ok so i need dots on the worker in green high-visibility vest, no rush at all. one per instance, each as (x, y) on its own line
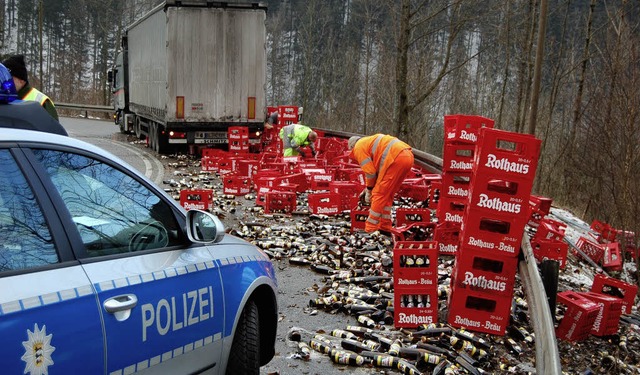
(295, 136)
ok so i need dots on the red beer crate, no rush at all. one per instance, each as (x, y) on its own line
(288, 115)
(325, 203)
(550, 250)
(413, 307)
(579, 316)
(541, 203)
(321, 181)
(247, 167)
(418, 193)
(209, 164)
(359, 217)
(200, 199)
(414, 232)
(451, 210)
(236, 185)
(412, 215)
(237, 133)
(550, 229)
(415, 265)
(500, 196)
(617, 288)
(458, 158)
(464, 128)
(479, 312)
(610, 309)
(448, 238)
(456, 185)
(298, 179)
(239, 145)
(280, 202)
(594, 250)
(507, 154)
(492, 233)
(612, 258)
(484, 272)
(347, 190)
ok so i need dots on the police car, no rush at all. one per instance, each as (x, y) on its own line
(101, 272)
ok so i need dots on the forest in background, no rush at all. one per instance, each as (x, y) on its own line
(398, 66)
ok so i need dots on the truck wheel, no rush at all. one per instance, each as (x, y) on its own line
(245, 349)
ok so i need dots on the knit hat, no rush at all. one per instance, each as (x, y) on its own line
(16, 66)
(352, 142)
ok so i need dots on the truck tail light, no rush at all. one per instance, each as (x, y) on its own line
(177, 135)
(251, 108)
(179, 106)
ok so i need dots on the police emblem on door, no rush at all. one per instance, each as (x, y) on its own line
(38, 350)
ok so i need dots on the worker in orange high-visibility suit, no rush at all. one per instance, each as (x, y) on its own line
(385, 160)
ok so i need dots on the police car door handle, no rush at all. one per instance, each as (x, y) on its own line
(121, 306)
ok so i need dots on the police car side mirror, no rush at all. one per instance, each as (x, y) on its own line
(204, 227)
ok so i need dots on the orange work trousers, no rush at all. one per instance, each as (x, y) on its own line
(384, 191)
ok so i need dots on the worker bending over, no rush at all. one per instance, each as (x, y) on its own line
(294, 137)
(385, 160)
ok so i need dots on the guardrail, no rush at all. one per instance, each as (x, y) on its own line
(547, 355)
(85, 107)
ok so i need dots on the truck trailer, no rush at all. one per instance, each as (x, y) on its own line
(189, 70)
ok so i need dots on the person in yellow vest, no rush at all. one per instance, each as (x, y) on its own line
(18, 71)
(294, 137)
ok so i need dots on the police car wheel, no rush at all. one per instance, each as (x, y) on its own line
(245, 350)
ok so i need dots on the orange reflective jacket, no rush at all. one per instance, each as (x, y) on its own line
(375, 153)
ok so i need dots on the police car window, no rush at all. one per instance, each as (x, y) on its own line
(25, 240)
(113, 212)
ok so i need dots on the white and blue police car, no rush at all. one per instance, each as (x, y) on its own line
(101, 272)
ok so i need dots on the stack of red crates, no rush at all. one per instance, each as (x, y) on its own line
(461, 136)
(493, 223)
(579, 316)
(238, 137)
(415, 283)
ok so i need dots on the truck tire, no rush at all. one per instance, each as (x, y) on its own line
(245, 349)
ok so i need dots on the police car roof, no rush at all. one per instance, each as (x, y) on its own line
(29, 115)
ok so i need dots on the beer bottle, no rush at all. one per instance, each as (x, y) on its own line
(395, 347)
(346, 358)
(304, 350)
(343, 334)
(353, 345)
(407, 368)
(366, 321)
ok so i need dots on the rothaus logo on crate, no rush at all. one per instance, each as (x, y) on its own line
(499, 205)
(453, 217)
(504, 246)
(483, 283)
(463, 136)
(457, 192)
(194, 206)
(522, 166)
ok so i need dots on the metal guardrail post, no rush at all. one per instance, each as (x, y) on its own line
(547, 355)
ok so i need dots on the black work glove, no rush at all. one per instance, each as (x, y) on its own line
(302, 154)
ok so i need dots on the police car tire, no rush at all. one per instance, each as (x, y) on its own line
(245, 350)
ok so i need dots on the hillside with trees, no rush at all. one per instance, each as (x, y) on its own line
(398, 66)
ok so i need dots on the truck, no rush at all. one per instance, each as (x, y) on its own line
(188, 71)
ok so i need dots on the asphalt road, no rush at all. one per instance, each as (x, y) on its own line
(295, 284)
